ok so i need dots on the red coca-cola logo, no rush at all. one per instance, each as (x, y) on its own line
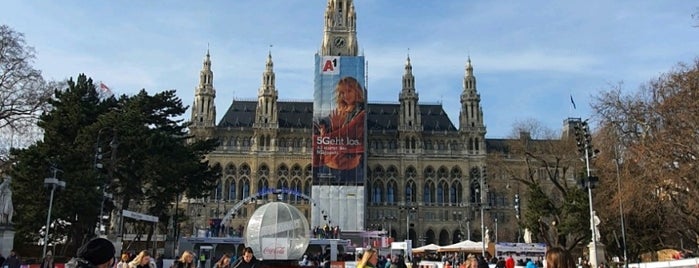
(274, 250)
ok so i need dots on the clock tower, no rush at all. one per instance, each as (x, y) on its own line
(340, 30)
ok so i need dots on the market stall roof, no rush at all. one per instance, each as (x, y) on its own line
(430, 247)
(463, 246)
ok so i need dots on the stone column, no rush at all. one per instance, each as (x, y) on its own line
(7, 238)
(596, 253)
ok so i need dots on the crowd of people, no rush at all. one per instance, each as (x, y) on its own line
(555, 258)
(100, 252)
(327, 232)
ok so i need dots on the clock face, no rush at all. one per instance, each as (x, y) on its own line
(339, 42)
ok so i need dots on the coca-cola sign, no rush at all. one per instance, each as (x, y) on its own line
(275, 248)
(274, 251)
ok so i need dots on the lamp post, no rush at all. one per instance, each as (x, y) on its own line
(54, 183)
(408, 210)
(481, 200)
(458, 217)
(584, 143)
(390, 220)
(113, 144)
(621, 209)
(496, 230)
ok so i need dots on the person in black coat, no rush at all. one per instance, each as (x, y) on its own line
(248, 260)
(12, 261)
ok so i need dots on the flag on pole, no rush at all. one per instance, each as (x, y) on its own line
(104, 88)
(572, 102)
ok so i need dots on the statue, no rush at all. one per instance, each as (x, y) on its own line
(595, 223)
(487, 235)
(527, 236)
(6, 207)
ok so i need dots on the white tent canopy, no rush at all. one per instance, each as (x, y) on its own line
(463, 246)
(430, 247)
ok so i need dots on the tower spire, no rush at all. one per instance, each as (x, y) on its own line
(340, 30)
(204, 109)
(409, 119)
(471, 115)
(266, 113)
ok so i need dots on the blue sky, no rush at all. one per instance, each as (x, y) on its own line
(528, 56)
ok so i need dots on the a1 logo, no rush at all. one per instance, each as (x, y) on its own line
(330, 65)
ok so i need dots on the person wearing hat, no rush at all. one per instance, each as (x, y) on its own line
(48, 260)
(96, 253)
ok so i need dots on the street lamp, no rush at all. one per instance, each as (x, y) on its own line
(98, 165)
(621, 208)
(461, 219)
(584, 143)
(408, 210)
(390, 220)
(481, 192)
(54, 183)
(496, 229)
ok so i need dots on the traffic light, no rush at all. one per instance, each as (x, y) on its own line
(98, 158)
(592, 181)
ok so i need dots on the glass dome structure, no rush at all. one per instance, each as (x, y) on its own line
(277, 231)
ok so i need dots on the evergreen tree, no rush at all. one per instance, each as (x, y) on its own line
(146, 161)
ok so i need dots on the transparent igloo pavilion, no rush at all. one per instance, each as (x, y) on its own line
(277, 231)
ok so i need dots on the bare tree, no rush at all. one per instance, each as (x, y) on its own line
(655, 132)
(23, 91)
(554, 207)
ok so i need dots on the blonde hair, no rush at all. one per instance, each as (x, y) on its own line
(137, 260)
(352, 84)
(366, 257)
(183, 259)
(124, 257)
(220, 261)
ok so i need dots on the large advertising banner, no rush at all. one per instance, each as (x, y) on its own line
(339, 119)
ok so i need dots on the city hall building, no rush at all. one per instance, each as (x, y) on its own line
(404, 168)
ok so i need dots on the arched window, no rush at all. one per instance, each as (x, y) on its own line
(410, 192)
(296, 187)
(377, 192)
(262, 186)
(218, 195)
(455, 195)
(283, 184)
(390, 192)
(428, 195)
(245, 188)
(442, 192)
(231, 190)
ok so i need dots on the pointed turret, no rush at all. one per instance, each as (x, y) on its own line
(409, 122)
(408, 97)
(471, 115)
(266, 114)
(204, 109)
(340, 30)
